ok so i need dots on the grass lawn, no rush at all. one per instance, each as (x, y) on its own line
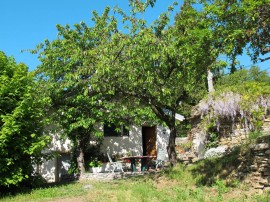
(178, 184)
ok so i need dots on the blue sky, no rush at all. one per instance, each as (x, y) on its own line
(26, 23)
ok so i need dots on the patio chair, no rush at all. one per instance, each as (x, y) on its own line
(160, 161)
(117, 165)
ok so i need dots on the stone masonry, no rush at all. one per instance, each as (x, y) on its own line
(254, 168)
(255, 164)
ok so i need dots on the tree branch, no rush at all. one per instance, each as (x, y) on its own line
(264, 59)
(265, 50)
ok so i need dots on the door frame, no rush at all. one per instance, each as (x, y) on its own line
(144, 136)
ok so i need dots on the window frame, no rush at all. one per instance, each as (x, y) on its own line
(109, 130)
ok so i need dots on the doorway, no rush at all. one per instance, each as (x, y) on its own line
(149, 138)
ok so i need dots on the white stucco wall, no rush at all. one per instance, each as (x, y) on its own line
(59, 144)
(47, 170)
(120, 145)
(162, 138)
(48, 167)
(133, 142)
(124, 144)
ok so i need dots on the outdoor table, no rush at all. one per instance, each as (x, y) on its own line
(144, 159)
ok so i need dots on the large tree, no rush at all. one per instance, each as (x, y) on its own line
(21, 123)
(68, 64)
(92, 70)
(162, 66)
(65, 71)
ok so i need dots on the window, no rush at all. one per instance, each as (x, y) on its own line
(111, 130)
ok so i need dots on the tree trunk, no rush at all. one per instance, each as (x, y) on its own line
(210, 81)
(171, 145)
(80, 160)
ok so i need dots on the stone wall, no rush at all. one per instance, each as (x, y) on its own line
(108, 176)
(101, 176)
(184, 154)
(240, 135)
(254, 168)
(231, 135)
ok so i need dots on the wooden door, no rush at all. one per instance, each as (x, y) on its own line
(149, 140)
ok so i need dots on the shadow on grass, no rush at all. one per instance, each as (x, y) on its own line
(26, 188)
(207, 171)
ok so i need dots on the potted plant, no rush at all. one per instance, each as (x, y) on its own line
(95, 165)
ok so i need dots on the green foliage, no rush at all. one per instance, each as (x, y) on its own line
(67, 70)
(244, 75)
(253, 136)
(95, 163)
(237, 25)
(221, 186)
(212, 134)
(158, 66)
(73, 169)
(96, 74)
(212, 140)
(254, 96)
(21, 123)
(144, 72)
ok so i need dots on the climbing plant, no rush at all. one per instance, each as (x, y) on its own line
(247, 103)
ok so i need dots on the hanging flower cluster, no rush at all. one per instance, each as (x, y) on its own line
(242, 104)
(227, 104)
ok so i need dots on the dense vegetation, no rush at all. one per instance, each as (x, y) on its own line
(22, 122)
(242, 97)
(106, 73)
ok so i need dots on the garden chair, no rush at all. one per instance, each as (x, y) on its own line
(117, 165)
(160, 161)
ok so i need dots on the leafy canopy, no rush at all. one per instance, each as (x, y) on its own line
(21, 122)
(239, 25)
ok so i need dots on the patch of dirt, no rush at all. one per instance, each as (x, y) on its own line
(163, 182)
(235, 193)
(71, 199)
